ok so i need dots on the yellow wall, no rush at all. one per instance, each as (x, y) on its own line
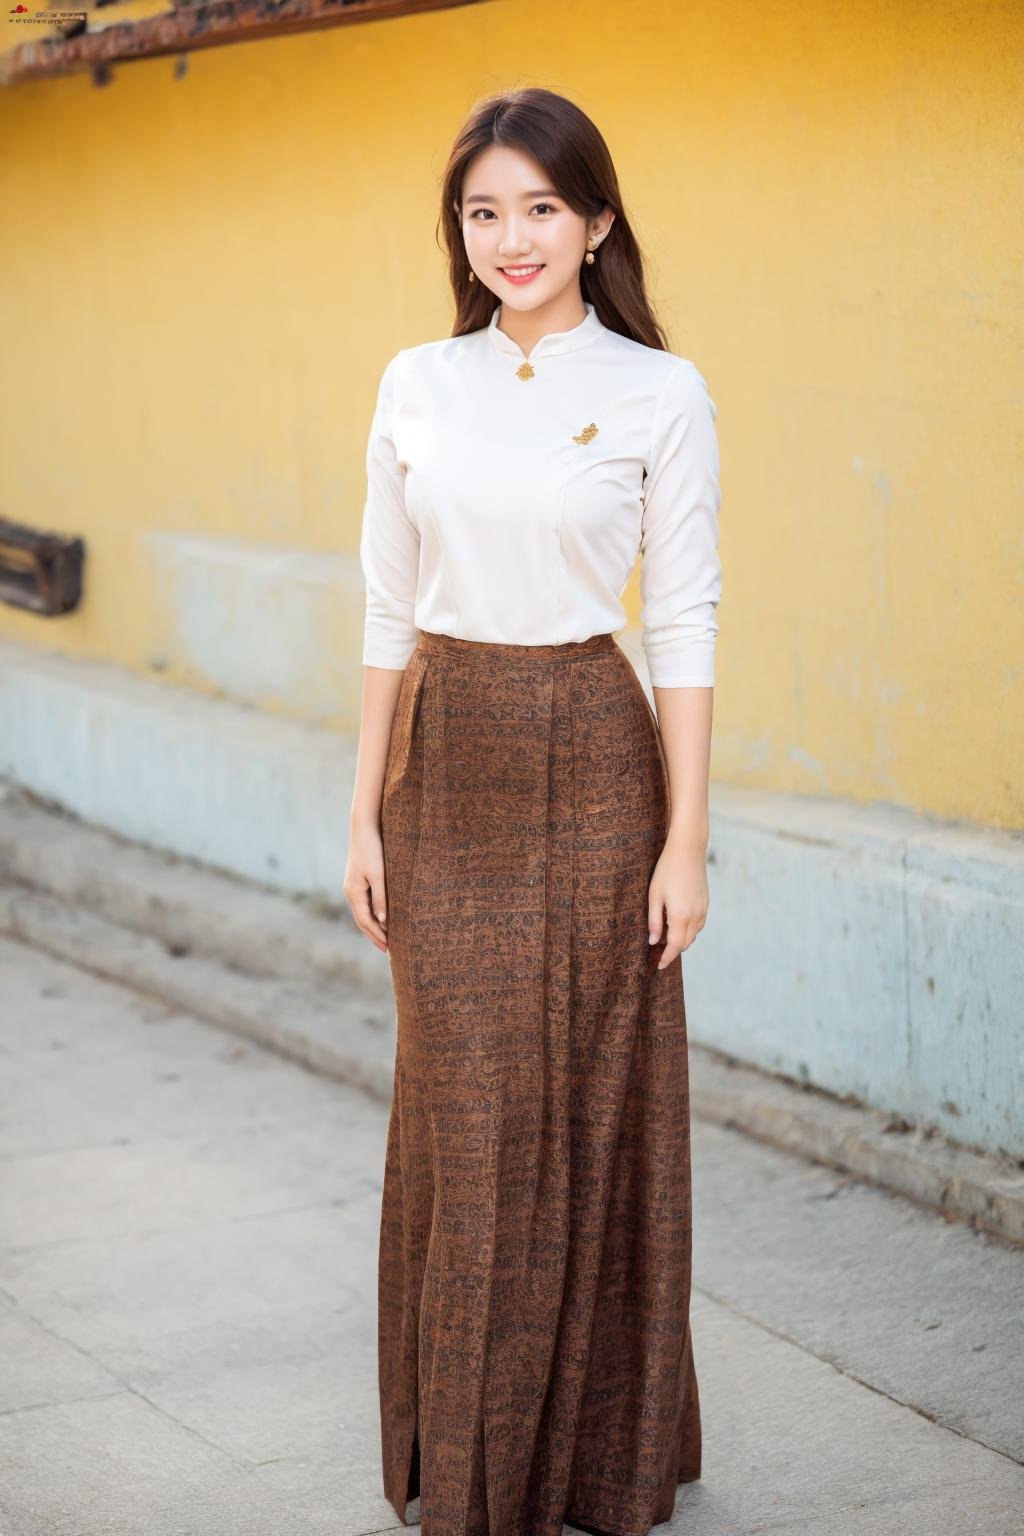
(202, 278)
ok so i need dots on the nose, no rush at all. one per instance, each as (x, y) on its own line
(510, 245)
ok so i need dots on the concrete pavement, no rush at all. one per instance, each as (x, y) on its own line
(188, 1229)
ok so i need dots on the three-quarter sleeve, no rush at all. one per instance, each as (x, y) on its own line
(680, 571)
(389, 545)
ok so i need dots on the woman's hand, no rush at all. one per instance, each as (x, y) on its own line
(679, 887)
(364, 882)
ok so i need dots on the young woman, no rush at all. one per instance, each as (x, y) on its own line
(530, 848)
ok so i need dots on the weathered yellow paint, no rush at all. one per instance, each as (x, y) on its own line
(203, 276)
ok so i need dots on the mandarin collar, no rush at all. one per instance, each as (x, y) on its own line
(551, 344)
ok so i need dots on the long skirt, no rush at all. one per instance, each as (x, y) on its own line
(535, 1358)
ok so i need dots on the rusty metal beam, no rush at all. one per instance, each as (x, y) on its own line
(185, 27)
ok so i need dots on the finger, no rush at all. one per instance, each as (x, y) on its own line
(655, 921)
(692, 929)
(675, 944)
(369, 922)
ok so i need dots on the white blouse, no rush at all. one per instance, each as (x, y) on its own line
(507, 497)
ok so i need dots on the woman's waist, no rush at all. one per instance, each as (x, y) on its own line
(434, 643)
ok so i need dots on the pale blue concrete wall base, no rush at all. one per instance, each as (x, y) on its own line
(241, 791)
(866, 951)
(264, 624)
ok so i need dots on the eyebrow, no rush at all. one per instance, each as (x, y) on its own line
(485, 197)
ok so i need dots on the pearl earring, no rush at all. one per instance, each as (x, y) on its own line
(589, 258)
(472, 276)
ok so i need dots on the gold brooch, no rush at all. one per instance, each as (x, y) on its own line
(524, 371)
(586, 434)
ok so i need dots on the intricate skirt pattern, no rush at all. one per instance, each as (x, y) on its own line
(535, 1357)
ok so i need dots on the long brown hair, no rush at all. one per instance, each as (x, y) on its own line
(563, 139)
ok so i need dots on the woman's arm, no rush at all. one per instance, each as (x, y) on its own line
(389, 556)
(684, 715)
(680, 583)
(381, 687)
(679, 895)
(364, 876)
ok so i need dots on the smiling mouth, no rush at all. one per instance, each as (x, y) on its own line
(521, 271)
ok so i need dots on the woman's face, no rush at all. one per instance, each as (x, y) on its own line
(513, 218)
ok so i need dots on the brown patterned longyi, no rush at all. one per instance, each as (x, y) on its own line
(535, 1356)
